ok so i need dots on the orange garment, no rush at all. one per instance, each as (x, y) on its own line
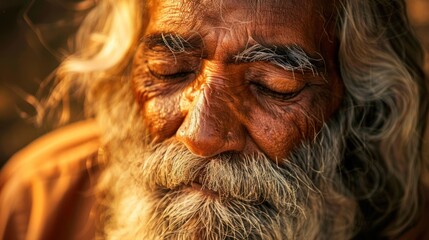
(46, 190)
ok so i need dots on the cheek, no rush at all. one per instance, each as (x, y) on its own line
(162, 116)
(278, 132)
(273, 138)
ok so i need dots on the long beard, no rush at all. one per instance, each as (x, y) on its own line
(165, 192)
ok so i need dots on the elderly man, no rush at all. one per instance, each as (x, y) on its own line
(233, 119)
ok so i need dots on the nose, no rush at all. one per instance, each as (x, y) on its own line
(211, 126)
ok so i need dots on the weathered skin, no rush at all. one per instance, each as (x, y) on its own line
(214, 105)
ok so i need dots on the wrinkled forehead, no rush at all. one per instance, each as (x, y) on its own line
(301, 22)
(221, 12)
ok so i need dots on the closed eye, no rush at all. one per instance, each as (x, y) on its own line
(274, 94)
(170, 76)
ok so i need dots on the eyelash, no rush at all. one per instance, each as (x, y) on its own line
(277, 95)
(178, 75)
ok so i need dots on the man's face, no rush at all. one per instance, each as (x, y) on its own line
(228, 91)
(236, 75)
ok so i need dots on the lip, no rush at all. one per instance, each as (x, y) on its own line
(195, 186)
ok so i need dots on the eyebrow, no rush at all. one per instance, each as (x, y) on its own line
(174, 42)
(288, 57)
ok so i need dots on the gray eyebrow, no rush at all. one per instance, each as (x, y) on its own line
(176, 43)
(290, 57)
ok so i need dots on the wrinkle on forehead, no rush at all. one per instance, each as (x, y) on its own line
(252, 4)
(235, 21)
(220, 12)
(256, 10)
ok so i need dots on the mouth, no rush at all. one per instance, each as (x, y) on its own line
(195, 186)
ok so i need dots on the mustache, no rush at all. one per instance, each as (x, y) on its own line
(254, 179)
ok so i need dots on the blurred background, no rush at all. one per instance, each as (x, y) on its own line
(34, 35)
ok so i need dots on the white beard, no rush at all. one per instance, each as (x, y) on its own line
(150, 194)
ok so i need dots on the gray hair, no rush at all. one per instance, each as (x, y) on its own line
(385, 103)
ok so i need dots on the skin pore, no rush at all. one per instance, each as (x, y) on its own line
(192, 87)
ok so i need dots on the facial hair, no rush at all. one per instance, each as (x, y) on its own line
(163, 191)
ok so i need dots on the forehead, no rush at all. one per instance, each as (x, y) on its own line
(285, 18)
(236, 22)
(259, 9)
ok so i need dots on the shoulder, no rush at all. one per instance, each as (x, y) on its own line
(54, 152)
(38, 180)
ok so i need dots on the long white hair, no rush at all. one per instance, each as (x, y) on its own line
(383, 113)
(386, 105)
